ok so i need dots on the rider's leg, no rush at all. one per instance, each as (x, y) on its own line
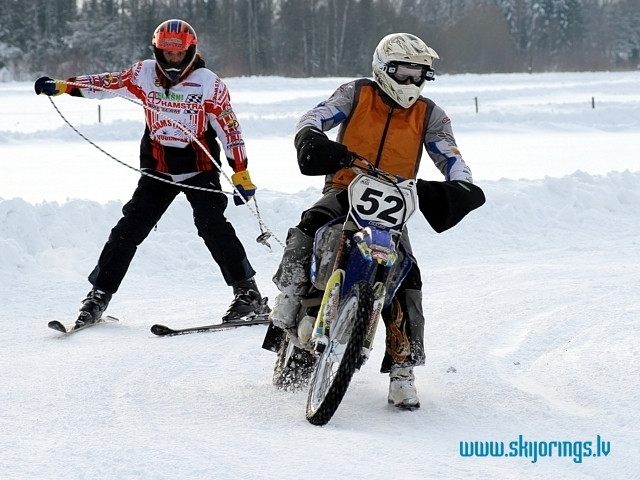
(292, 277)
(404, 321)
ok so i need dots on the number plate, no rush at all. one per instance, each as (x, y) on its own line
(379, 203)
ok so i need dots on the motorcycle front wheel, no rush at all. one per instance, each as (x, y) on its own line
(337, 363)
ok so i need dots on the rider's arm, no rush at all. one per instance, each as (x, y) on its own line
(441, 147)
(444, 204)
(331, 112)
(317, 154)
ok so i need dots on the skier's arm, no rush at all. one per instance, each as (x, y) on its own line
(97, 86)
(51, 87)
(222, 118)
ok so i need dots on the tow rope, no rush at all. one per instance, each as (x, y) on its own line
(265, 232)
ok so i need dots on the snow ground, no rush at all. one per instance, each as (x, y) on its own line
(532, 302)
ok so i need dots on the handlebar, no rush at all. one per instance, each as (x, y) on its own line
(363, 165)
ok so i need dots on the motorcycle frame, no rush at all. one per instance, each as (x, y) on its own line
(351, 266)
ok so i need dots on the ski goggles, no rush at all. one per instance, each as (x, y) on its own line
(416, 73)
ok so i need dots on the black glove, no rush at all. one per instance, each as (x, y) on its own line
(317, 155)
(444, 204)
(50, 87)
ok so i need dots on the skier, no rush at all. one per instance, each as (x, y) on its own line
(175, 85)
(388, 122)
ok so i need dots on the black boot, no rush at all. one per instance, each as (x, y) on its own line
(247, 301)
(93, 307)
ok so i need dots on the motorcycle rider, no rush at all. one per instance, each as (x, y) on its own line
(388, 122)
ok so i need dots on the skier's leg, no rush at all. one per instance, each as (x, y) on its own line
(149, 201)
(225, 247)
(215, 230)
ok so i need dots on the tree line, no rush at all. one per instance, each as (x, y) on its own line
(303, 38)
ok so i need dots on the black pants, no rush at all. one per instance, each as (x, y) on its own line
(150, 200)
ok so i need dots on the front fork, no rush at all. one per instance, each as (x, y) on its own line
(375, 249)
(380, 294)
(329, 310)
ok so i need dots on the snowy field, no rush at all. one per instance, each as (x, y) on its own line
(532, 301)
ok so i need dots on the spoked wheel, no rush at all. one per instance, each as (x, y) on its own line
(337, 364)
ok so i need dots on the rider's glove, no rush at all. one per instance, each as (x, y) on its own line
(317, 155)
(50, 87)
(242, 181)
(347, 160)
(444, 204)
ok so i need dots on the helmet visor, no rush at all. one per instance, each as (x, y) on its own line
(174, 41)
(414, 72)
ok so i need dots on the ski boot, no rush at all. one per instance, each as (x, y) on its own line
(93, 307)
(247, 302)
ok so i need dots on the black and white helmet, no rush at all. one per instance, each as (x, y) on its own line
(401, 65)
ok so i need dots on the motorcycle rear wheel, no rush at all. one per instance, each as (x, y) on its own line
(293, 366)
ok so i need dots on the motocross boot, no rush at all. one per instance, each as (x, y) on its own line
(402, 391)
(292, 279)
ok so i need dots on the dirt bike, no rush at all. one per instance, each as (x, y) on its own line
(357, 266)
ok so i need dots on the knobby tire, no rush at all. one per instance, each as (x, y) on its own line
(328, 385)
(293, 367)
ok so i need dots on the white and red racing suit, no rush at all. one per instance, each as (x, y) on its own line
(200, 102)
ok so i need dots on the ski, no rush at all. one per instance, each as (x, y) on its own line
(71, 327)
(164, 331)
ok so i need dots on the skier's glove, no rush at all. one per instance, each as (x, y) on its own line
(242, 182)
(318, 155)
(50, 87)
